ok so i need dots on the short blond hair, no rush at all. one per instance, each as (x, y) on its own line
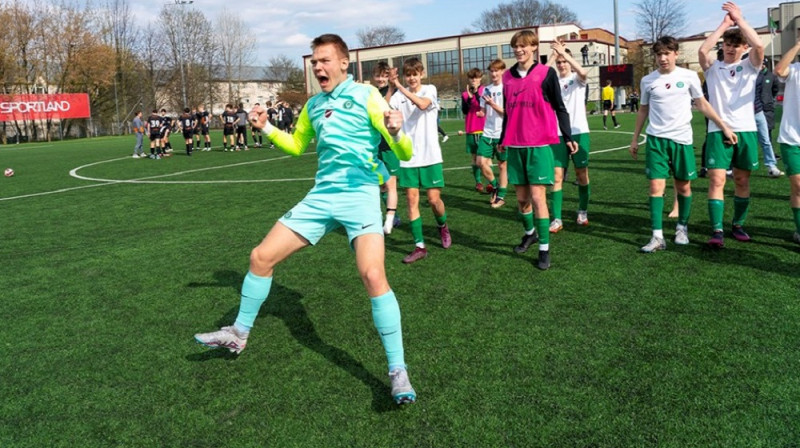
(524, 38)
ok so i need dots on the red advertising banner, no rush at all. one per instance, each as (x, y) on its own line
(44, 106)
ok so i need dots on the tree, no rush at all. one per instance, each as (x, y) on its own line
(523, 13)
(281, 68)
(236, 48)
(376, 36)
(658, 18)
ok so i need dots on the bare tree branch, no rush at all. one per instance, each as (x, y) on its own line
(376, 36)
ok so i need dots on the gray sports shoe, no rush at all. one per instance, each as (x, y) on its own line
(681, 235)
(654, 245)
(226, 337)
(402, 392)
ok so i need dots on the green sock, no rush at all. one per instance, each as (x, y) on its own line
(796, 213)
(740, 207)
(441, 220)
(716, 211)
(416, 230)
(557, 199)
(583, 197)
(501, 192)
(543, 229)
(684, 209)
(656, 212)
(476, 172)
(527, 221)
(494, 183)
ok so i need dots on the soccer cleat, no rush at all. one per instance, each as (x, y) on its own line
(526, 242)
(774, 172)
(136, 156)
(498, 202)
(616, 126)
(703, 172)
(556, 225)
(444, 233)
(681, 235)
(226, 337)
(418, 254)
(796, 237)
(396, 221)
(479, 187)
(583, 219)
(402, 392)
(717, 240)
(654, 245)
(544, 260)
(445, 138)
(739, 233)
(490, 189)
(605, 128)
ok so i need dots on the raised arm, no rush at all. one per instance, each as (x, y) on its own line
(782, 68)
(755, 43)
(560, 50)
(711, 41)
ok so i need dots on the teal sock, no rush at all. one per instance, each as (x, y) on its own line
(386, 316)
(740, 207)
(255, 290)
(584, 191)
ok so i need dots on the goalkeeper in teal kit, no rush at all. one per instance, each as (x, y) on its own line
(348, 120)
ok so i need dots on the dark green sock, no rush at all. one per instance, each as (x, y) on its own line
(501, 192)
(543, 229)
(557, 201)
(441, 220)
(527, 221)
(494, 183)
(583, 197)
(796, 214)
(684, 209)
(716, 211)
(416, 230)
(476, 173)
(656, 212)
(740, 207)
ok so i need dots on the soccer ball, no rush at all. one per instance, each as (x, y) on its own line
(9, 172)
(460, 132)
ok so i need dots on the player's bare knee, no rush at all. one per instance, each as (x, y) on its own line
(373, 276)
(261, 260)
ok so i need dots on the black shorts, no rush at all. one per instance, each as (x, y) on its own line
(164, 133)
(241, 130)
(606, 104)
(255, 130)
(227, 130)
(196, 130)
(155, 136)
(188, 134)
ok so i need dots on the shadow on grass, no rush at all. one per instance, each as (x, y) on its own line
(286, 305)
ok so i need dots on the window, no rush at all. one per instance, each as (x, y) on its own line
(398, 61)
(367, 66)
(443, 62)
(479, 57)
(508, 52)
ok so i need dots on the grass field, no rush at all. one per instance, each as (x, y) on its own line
(105, 281)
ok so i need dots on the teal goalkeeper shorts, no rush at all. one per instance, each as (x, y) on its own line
(357, 209)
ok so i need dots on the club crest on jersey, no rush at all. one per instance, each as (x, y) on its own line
(328, 113)
(348, 104)
(680, 84)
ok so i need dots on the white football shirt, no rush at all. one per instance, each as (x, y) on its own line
(669, 97)
(731, 92)
(494, 121)
(421, 125)
(573, 92)
(790, 122)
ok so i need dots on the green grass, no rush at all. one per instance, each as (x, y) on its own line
(104, 283)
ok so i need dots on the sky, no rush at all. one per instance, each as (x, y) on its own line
(287, 27)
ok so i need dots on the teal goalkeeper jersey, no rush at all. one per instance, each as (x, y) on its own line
(348, 124)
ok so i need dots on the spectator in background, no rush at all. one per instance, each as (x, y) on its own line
(585, 55)
(633, 100)
(288, 117)
(766, 89)
(138, 129)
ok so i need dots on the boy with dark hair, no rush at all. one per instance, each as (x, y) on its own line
(241, 128)
(474, 120)
(667, 95)
(228, 127)
(187, 124)
(789, 136)
(138, 129)
(345, 194)
(166, 129)
(492, 103)
(153, 125)
(419, 106)
(534, 114)
(256, 132)
(731, 92)
(202, 121)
